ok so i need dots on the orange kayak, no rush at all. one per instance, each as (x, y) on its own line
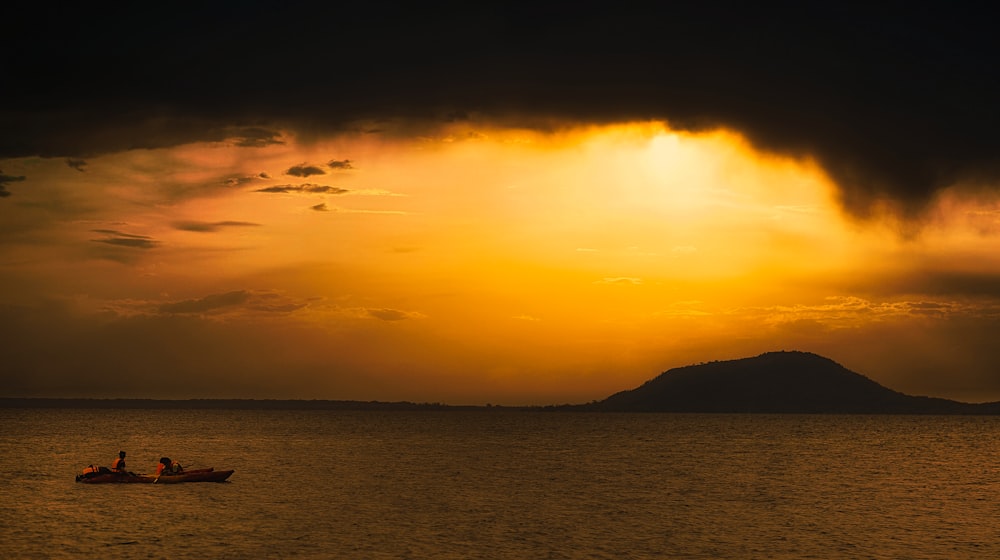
(196, 475)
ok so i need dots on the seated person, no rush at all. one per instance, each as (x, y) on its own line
(118, 465)
(168, 467)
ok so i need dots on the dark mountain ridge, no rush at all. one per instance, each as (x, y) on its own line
(776, 382)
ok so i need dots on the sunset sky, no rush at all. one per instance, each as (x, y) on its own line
(501, 205)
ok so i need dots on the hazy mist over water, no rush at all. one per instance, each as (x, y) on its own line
(502, 484)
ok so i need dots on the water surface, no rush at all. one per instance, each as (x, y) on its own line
(502, 484)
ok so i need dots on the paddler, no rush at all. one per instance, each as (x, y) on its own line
(166, 466)
(118, 465)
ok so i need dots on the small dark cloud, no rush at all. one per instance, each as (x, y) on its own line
(320, 207)
(304, 188)
(281, 189)
(324, 189)
(207, 303)
(207, 227)
(278, 308)
(340, 164)
(5, 179)
(238, 181)
(304, 170)
(77, 164)
(257, 138)
(120, 239)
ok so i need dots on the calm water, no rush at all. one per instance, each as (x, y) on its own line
(321, 484)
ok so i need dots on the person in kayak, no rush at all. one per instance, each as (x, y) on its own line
(166, 466)
(118, 465)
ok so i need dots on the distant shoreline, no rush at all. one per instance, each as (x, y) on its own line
(235, 404)
(43, 403)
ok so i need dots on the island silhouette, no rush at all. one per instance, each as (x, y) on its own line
(782, 382)
(776, 382)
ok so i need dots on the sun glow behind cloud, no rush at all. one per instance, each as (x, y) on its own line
(476, 263)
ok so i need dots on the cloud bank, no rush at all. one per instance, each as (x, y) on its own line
(895, 102)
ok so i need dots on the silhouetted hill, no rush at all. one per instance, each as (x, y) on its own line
(776, 382)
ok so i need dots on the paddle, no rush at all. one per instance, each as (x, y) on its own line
(168, 469)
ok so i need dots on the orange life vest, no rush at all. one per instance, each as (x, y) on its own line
(118, 464)
(173, 468)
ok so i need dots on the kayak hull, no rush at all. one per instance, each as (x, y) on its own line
(198, 475)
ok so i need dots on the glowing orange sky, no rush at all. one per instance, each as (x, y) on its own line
(475, 264)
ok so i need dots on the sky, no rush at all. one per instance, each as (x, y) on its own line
(501, 204)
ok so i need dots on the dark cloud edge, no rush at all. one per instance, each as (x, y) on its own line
(894, 102)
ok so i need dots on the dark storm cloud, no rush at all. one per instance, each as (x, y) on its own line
(208, 227)
(304, 170)
(894, 100)
(119, 239)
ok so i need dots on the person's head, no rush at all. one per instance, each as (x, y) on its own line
(121, 454)
(165, 461)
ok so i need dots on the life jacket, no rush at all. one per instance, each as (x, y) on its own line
(174, 467)
(91, 471)
(118, 464)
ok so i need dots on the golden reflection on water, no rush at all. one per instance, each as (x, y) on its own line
(496, 484)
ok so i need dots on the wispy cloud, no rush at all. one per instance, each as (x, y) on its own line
(253, 137)
(207, 303)
(208, 227)
(237, 181)
(77, 164)
(304, 188)
(851, 310)
(529, 318)
(321, 207)
(233, 303)
(120, 239)
(375, 192)
(5, 180)
(385, 314)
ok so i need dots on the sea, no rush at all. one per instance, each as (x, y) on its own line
(499, 483)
